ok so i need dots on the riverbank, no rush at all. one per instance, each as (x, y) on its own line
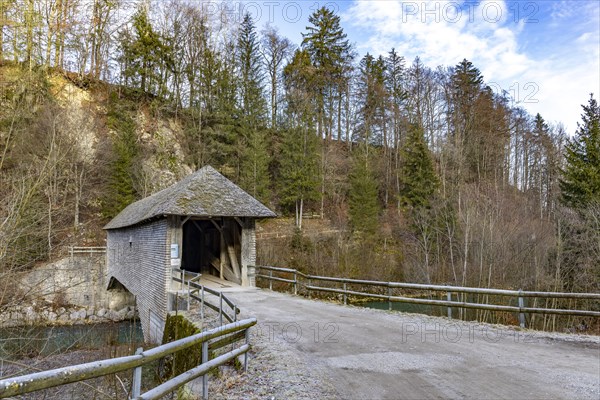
(45, 313)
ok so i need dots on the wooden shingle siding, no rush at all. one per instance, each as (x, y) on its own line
(248, 250)
(137, 257)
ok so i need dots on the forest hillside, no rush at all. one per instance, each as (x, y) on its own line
(410, 173)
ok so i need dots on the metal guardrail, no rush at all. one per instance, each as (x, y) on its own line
(199, 292)
(225, 334)
(86, 250)
(448, 290)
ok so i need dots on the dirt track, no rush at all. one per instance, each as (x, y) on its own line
(371, 354)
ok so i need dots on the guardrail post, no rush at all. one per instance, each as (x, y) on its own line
(234, 313)
(345, 295)
(220, 308)
(449, 298)
(136, 384)
(521, 314)
(270, 280)
(205, 376)
(246, 353)
(295, 283)
(307, 289)
(188, 296)
(389, 298)
(202, 304)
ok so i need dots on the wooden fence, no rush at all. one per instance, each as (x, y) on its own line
(210, 340)
(225, 334)
(200, 293)
(293, 277)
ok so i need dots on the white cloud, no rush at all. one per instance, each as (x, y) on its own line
(487, 35)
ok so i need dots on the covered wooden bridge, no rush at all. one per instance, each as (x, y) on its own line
(204, 223)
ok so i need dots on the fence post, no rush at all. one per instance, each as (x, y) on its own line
(295, 283)
(521, 314)
(202, 304)
(389, 297)
(270, 280)
(136, 384)
(205, 376)
(246, 353)
(449, 298)
(234, 313)
(220, 308)
(188, 296)
(345, 295)
(307, 289)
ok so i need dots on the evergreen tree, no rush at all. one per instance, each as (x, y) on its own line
(418, 178)
(331, 56)
(372, 98)
(299, 169)
(254, 157)
(252, 101)
(143, 51)
(363, 196)
(580, 184)
(120, 191)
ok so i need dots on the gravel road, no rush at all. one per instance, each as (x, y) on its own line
(312, 349)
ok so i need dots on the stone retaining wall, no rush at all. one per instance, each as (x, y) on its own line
(70, 290)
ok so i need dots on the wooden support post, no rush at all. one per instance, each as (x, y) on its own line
(246, 353)
(295, 283)
(136, 384)
(205, 376)
(521, 314)
(202, 305)
(220, 308)
(449, 298)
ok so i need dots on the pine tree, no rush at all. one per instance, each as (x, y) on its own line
(580, 183)
(372, 98)
(363, 196)
(418, 178)
(252, 102)
(254, 156)
(120, 191)
(331, 56)
(143, 51)
(299, 169)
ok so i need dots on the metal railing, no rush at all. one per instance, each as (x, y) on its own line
(200, 293)
(450, 291)
(225, 335)
(86, 250)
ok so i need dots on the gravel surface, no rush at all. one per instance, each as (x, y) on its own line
(307, 349)
(311, 349)
(275, 371)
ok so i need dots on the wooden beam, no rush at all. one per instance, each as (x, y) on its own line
(198, 226)
(226, 271)
(220, 228)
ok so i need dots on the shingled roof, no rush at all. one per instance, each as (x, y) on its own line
(205, 193)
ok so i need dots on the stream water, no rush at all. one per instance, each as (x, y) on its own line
(18, 342)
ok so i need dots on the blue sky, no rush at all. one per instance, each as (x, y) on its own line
(545, 53)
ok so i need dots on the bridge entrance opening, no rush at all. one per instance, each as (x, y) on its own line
(201, 247)
(212, 247)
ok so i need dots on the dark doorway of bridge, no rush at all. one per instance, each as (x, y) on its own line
(201, 247)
